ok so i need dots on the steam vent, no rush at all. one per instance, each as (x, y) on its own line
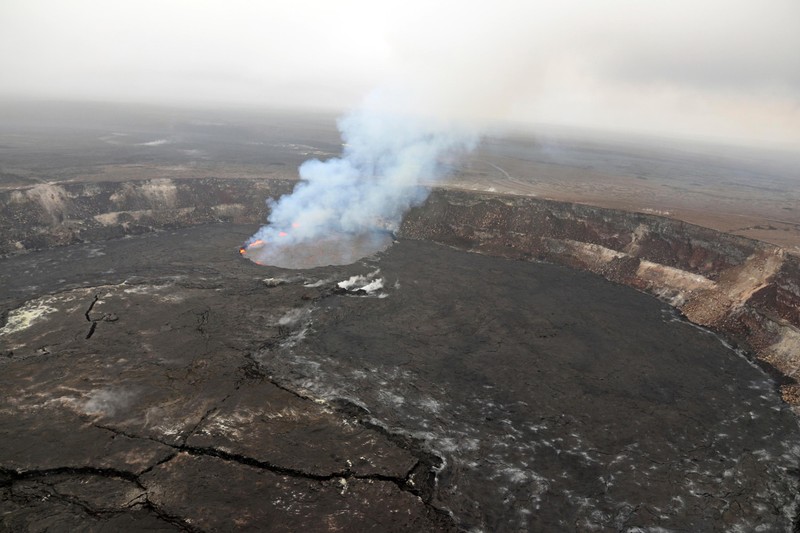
(504, 362)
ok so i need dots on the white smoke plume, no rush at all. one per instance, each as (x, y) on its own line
(106, 402)
(387, 154)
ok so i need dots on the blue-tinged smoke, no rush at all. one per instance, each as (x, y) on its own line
(385, 158)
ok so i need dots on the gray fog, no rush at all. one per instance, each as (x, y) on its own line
(722, 70)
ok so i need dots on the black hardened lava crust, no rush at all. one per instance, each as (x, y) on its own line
(164, 382)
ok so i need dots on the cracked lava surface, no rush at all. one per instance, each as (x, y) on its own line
(165, 383)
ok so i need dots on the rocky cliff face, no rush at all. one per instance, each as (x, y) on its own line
(48, 215)
(747, 290)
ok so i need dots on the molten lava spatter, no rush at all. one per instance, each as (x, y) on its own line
(258, 243)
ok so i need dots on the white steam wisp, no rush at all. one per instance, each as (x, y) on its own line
(385, 158)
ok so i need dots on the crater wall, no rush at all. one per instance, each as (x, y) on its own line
(747, 290)
(56, 214)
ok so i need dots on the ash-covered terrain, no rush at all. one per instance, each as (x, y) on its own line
(155, 378)
(163, 382)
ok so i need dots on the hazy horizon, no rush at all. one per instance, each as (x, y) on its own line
(721, 71)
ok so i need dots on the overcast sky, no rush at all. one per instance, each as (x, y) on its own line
(721, 68)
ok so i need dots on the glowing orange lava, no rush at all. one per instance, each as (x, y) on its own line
(258, 243)
(245, 249)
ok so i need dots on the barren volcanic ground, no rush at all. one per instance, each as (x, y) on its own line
(163, 382)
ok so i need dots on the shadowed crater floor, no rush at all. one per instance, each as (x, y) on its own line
(163, 382)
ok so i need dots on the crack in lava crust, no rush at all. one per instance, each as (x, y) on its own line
(332, 249)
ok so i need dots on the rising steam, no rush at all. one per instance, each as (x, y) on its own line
(386, 156)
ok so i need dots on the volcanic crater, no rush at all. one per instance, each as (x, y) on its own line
(498, 362)
(503, 366)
